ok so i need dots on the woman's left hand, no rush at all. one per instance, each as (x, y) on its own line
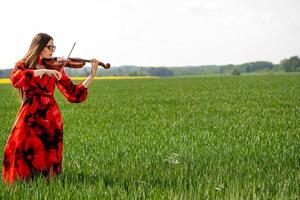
(95, 64)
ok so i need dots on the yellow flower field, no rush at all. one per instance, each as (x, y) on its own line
(4, 81)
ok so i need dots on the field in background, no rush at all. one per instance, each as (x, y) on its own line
(203, 137)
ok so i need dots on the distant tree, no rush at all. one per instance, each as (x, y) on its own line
(5, 73)
(256, 66)
(86, 72)
(160, 71)
(277, 67)
(226, 69)
(135, 73)
(235, 71)
(291, 64)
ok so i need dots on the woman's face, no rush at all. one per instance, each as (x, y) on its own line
(48, 50)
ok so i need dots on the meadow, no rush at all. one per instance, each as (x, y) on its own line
(225, 137)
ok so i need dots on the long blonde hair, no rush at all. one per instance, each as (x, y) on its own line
(31, 57)
(37, 44)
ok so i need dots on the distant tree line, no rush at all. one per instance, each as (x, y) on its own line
(291, 64)
(4, 73)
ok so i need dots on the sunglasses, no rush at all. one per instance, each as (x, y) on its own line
(51, 47)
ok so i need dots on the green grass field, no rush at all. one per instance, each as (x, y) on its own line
(174, 138)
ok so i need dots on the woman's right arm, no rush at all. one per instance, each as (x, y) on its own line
(23, 77)
(38, 72)
(49, 72)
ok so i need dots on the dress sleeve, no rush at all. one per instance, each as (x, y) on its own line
(74, 93)
(22, 77)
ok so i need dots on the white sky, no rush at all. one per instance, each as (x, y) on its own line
(154, 32)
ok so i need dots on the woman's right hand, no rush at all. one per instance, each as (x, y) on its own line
(53, 73)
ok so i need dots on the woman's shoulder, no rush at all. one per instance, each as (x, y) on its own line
(20, 63)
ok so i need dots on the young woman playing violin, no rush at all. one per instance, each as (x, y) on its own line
(35, 143)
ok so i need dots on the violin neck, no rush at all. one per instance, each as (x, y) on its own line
(79, 59)
(85, 60)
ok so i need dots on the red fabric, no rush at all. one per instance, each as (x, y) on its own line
(36, 140)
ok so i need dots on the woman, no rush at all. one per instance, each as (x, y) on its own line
(36, 140)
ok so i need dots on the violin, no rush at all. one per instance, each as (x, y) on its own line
(57, 63)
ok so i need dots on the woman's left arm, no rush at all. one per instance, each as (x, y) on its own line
(95, 64)
(76, 93)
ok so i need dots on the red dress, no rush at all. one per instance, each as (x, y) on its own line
(36, 140)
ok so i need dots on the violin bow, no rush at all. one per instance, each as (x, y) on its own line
(69, 55)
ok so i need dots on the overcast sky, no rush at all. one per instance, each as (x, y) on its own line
(155, 32)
